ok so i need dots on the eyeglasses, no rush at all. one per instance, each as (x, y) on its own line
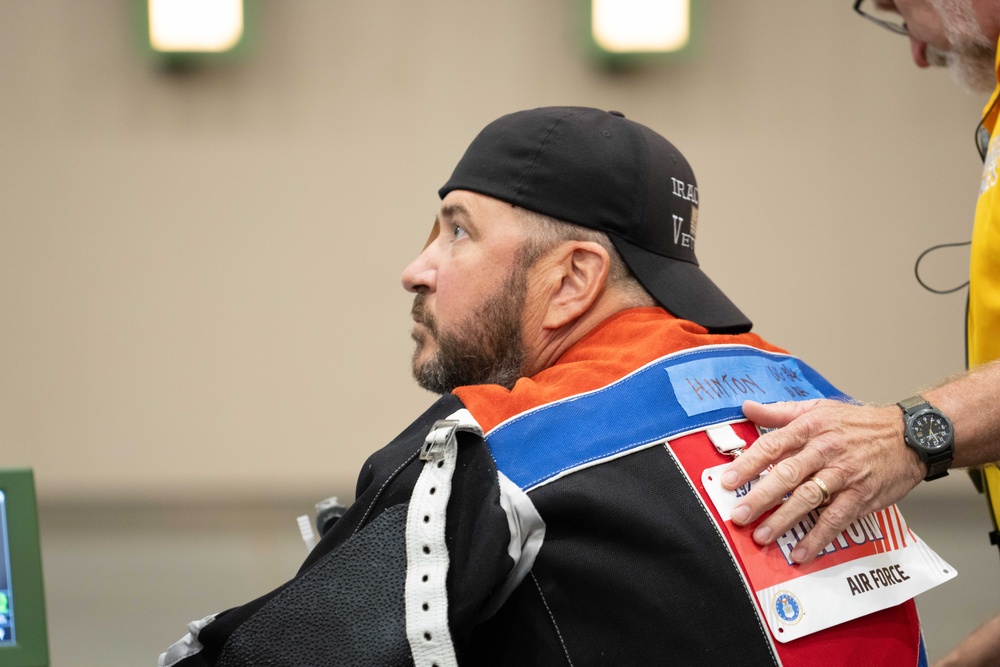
(982, 140)
(897, 27)
(983, 135)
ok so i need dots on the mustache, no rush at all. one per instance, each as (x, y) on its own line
(422, 315)
(936, 57)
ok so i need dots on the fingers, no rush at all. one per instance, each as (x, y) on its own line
(771, 447)
(775, 415)
(807, 496)
(831, 521)
(786, 477)
(855, 451)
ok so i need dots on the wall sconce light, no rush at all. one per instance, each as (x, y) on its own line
(185, 32)
(623, 31)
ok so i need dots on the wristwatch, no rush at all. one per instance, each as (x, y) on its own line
(928, 432)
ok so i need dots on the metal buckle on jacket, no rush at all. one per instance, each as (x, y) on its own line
(436, 440)
(726, 440)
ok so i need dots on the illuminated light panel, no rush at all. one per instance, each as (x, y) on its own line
(210, 26)
(636, 26)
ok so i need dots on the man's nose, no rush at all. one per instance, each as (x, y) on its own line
(419, 277)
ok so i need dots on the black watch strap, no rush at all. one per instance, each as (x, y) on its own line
(938, 465)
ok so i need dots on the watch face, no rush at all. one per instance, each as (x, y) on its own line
(931, 431)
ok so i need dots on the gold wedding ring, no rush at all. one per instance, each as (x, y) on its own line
(823, 489)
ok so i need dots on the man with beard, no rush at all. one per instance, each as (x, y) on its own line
(869, 456)
(556, 505)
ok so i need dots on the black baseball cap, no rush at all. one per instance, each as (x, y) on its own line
(600, 170)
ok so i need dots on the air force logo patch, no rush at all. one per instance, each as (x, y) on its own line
(787, 607)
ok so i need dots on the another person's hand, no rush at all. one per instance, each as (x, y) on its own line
(857, 452)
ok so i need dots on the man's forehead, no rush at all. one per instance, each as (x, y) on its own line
(477, 211)
(466, 203)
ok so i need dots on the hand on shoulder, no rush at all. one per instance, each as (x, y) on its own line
(855, 451)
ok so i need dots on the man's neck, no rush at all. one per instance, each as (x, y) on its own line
(550, 344)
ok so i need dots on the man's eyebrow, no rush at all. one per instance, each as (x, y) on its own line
(453, 211)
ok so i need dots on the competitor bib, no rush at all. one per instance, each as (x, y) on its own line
(876, 563)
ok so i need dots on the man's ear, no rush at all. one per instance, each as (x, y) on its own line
(579, 276)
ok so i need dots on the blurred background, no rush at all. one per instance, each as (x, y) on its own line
(202, 330)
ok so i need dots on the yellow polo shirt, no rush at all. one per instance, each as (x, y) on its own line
(984, 277)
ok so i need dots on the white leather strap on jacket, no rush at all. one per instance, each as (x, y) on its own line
(187, 645)
(426, 553)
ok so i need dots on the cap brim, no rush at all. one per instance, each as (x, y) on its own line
(683, 289)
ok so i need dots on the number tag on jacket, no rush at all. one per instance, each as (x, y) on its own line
(877, 562)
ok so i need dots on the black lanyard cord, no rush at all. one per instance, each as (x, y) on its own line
(916, 268)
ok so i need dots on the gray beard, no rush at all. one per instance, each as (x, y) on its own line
(486, 348)
(972, 57)
(973, 67)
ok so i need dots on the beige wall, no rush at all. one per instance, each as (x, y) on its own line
(199, 272)
(199, 295)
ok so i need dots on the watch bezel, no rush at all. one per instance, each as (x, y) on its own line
(913, 437)
(938, 459)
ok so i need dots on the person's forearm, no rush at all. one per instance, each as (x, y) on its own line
(980, 649)
(972, 402)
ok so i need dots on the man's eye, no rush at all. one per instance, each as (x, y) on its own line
(457, 232)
